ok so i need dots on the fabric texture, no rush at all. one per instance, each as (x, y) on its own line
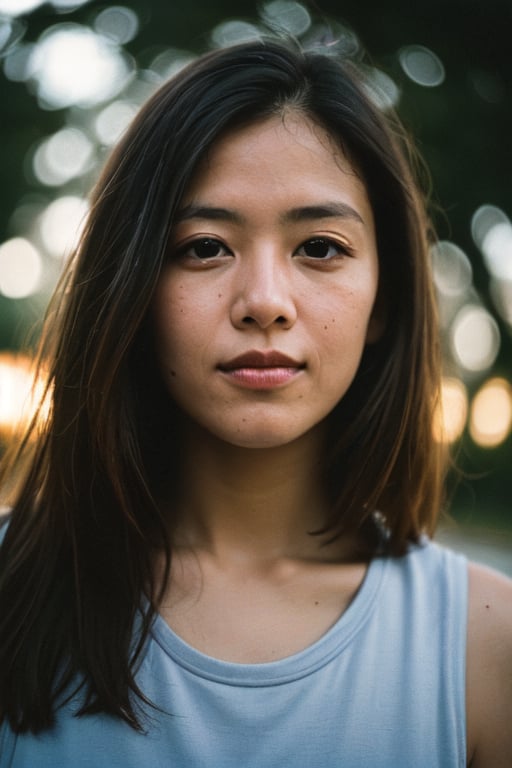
(383, 688)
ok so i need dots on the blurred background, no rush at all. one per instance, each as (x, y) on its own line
(74, 72)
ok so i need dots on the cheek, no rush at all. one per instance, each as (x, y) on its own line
(348, 315)
(184, 324)
(169, 322)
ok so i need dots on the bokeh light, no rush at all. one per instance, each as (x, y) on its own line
(71, 64)
(62, 157)
(11, 31)
(475, 338)
(501, 293)
(169, 62)
(492, 233)
(20, 268)
(111, 122)
(232, 32)
(453, 273)
(334, 38)
(497, 250)
(117, 23)
(15, 8)
(489, 86)
(68, 5)
(382, 89)
(491, 413)
(19, 7)
(484, 219)
(16, 62)
(287, 16)
(60, 224)
(421, 65)
(20, 393)
(451, 413)
(491, 229)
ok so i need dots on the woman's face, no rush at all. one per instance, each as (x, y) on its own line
(266, 302)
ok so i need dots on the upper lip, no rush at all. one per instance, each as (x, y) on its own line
(260, 359)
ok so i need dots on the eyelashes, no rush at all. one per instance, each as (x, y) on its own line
(323, 249)
(207, 249)
(204, 249)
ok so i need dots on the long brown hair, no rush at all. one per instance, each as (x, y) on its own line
(88, 513)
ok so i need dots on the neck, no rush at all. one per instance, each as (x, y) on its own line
(259, 503)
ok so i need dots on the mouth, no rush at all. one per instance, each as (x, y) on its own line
(261, 359)
(262, 369)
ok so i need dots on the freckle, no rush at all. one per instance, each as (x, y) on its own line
(219, 295)
(333, 320)
(173, 373)
(316, 602)
(325, 327)
(487, 606)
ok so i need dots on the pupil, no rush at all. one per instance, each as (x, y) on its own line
(317, 249)
(207, 248)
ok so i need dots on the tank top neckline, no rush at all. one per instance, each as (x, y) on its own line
(305, 662)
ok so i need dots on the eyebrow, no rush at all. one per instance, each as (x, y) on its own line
(210, 213)
(328, 210)
(303, 213)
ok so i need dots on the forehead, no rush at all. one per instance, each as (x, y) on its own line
(261, 138)
(288, 153)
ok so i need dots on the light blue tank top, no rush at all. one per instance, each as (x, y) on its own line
(383, 688)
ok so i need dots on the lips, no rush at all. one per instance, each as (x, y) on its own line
(260, 359)
(257, 370)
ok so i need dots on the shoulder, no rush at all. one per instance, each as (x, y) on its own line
(489, 668)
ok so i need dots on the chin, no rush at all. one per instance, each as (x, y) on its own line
(259, 443)
(262, 437)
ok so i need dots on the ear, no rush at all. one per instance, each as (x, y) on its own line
(378, 318)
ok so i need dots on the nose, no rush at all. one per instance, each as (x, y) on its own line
(263, 294)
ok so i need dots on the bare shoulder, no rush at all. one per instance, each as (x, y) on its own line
(489, 668)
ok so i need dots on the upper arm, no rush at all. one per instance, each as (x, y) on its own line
(489, 669)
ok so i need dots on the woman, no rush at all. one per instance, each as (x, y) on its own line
(218, 553)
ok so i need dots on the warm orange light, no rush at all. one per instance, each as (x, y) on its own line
(19, 394)
(451, 413)
(491, 413)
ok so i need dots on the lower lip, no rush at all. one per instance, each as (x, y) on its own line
(262, 378)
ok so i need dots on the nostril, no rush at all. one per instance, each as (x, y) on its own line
(248, 320)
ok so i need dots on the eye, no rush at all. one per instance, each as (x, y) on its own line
(323, 248)
(204, 249)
